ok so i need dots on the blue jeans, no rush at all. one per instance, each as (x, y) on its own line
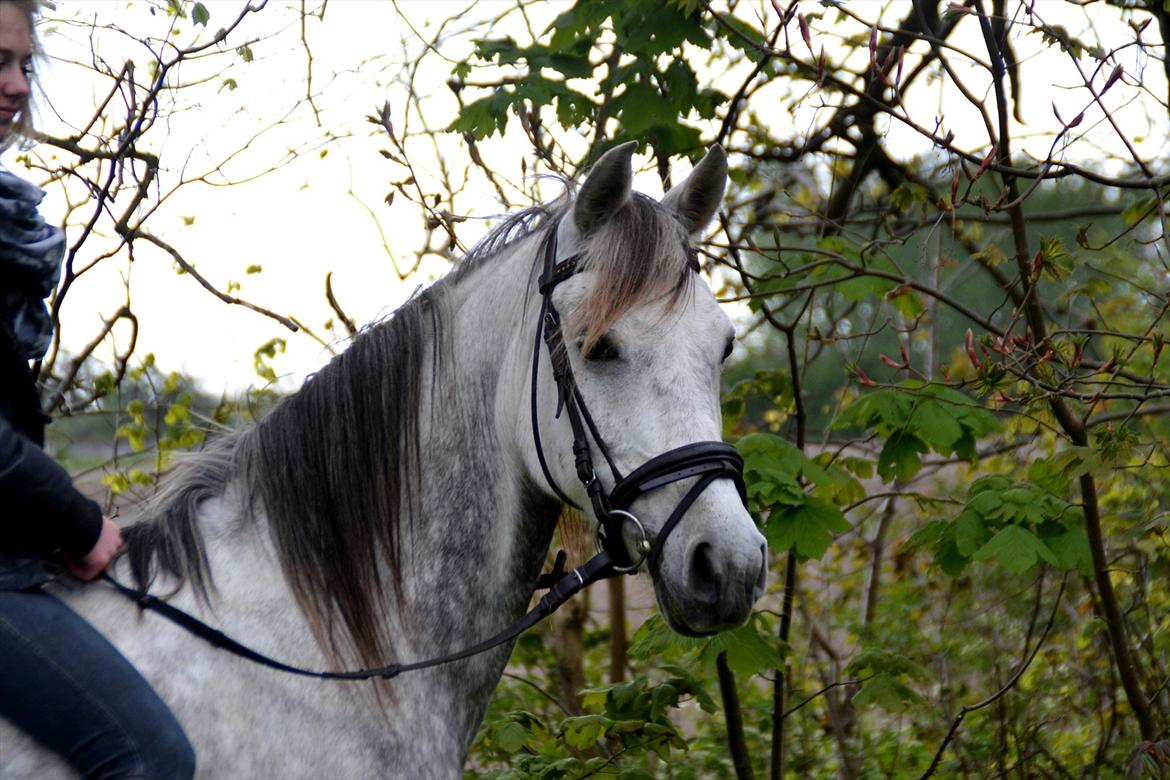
(69, 688)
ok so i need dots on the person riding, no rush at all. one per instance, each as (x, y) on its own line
(61, 681)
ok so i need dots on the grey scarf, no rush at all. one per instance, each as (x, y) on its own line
(30, 265)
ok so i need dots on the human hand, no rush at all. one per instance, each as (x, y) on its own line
(96, 560)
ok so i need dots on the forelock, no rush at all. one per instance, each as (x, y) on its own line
(640, 255)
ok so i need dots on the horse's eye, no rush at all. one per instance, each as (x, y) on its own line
(727, 350)
(603, 350)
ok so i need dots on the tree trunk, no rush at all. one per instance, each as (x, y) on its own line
(569, 650)
(618, 642)
(735, 739)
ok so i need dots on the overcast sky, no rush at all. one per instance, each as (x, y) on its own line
(313, 215)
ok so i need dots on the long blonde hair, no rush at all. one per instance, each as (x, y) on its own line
(22, 126)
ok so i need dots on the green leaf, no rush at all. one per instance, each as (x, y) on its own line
(888, 692)
(265, 352)
(511, 737)
(986, 503)
(573, 108)
(899, 458)
(990, 255)
(947, 558)
(135, 436)
(632, 773)
(581, 22)
(755, 39)
(969, 533)
(732, 411)
(571, 62)
(907, 302)
(763, 451)
(862, 468)
(141, 478)
(620, 696)
(886, 410)
(876, 660)
(927, 536)
(1138, 211)
(655, 639)
(1071, 549)
(117, 483)
(662, 698)
(583, 732)
(668, 139)
(177, 413)
(906, 196)
(200, 15)
(649, 28)
(748, 650)
(808, 528)
(1016, 549)
(641, 107)
(937, 424)
(863, 286)
(485, 116)
(681, 86)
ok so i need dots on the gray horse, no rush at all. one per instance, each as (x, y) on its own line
(395, 507)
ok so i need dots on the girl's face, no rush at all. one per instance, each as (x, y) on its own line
(15, 63)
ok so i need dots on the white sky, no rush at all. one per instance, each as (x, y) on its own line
(298, 222)
(301, 221)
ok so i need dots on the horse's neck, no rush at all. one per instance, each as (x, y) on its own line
(480, 518)
(481, 531)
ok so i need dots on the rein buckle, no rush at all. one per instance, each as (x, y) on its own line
(641, 547)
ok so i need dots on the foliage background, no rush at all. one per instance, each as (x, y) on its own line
(946, 245)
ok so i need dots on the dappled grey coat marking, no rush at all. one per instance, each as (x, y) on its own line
(393, 509)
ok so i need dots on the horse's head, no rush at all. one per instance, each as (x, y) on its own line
(645, 340)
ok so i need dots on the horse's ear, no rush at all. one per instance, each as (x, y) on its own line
(697, 198)
(606, 189)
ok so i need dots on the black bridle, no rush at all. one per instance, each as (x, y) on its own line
(707, 460)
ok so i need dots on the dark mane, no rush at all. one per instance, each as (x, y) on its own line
(344, 449)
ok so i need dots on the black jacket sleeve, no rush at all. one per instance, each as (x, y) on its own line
(39, 505)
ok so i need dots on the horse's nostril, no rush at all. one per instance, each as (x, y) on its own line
(706, 576)
(762, 579)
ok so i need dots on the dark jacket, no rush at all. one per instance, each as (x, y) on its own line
(41, 513)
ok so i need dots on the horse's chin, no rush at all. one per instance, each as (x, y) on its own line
(695, 619)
